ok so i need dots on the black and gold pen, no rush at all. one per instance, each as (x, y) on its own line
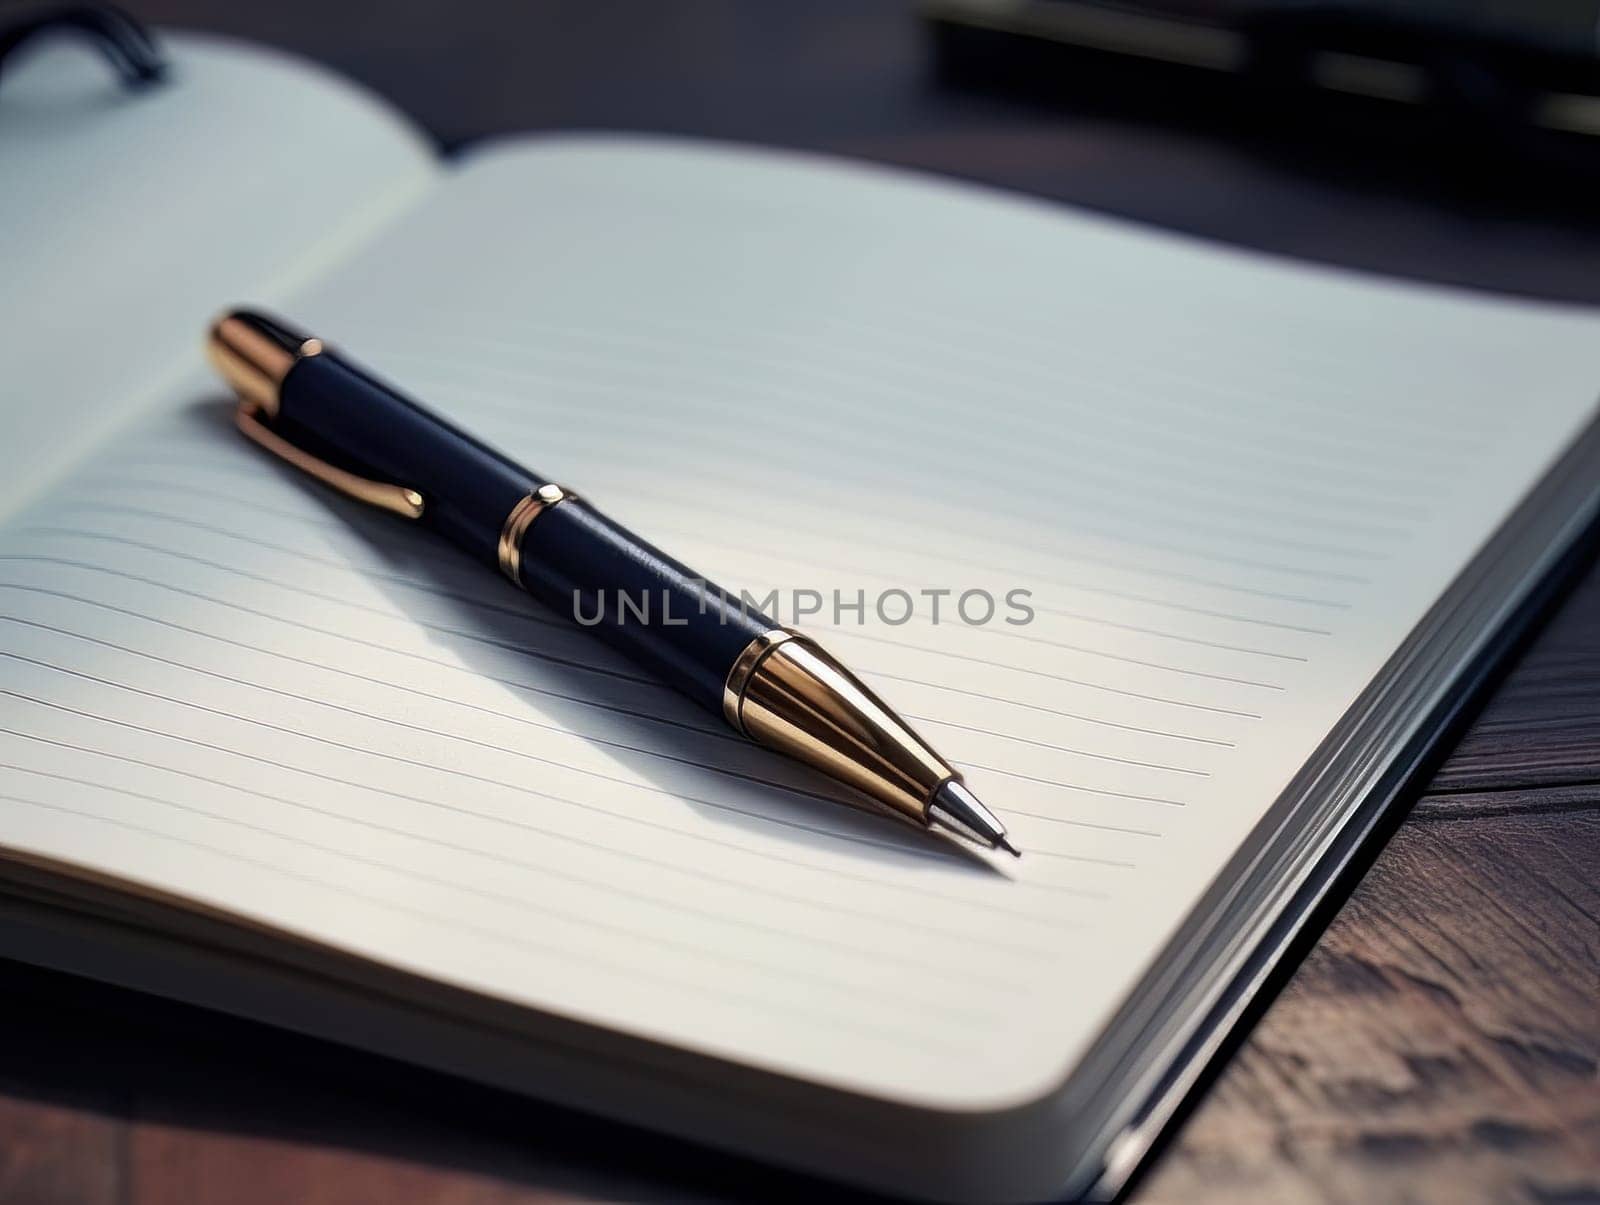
(771, 684)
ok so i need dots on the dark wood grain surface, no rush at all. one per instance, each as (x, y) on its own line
(1440, 1043)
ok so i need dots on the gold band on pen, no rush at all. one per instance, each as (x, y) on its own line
(733, 687)
(520, 519)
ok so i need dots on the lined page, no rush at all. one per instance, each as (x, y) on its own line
(1229, 488)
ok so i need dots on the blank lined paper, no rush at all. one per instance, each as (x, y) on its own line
(1228, 489)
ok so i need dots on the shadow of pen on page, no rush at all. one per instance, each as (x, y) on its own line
(479, 621)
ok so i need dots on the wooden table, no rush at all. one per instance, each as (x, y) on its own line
(1442, 1040)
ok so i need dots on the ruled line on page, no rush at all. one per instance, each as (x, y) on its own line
(1005, 701)
(562, 731)
(1172, 498)
(212, 450)
(925, 859)
(784, 524)
(708, 730)
(477, 674)
(463, 634)
(547, 913)
(886, 884)
(982, 345)
(1101, 621)
(828, 833)
(643, 682)
(1178, 367)
(1056, 782)
(464, 573)
(630, 457)
(999, 375)
(1088, 500)
(628, 382)
(542, 911)
(531, 340)
(1066, 646)
(525, 613)
(533, 616)
(118, 485)
(1143, 379)
(886, 918)
(631, 972)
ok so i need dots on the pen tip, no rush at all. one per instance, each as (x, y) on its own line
(957, 810)
(1004, 843)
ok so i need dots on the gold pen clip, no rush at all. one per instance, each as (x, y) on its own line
(254, 354)
(397, 498)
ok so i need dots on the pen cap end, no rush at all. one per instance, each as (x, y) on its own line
(254, 353)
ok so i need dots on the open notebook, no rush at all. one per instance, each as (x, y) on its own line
(270, 751)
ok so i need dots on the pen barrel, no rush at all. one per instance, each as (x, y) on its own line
(329, 407)
(651, 608)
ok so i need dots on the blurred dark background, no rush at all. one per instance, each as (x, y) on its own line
(1461, 195)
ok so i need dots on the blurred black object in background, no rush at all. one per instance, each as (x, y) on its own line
(1454, 94)
(875, 80)
(120, 39)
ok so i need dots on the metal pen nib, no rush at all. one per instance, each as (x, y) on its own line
(792, 696)
(957, 809)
